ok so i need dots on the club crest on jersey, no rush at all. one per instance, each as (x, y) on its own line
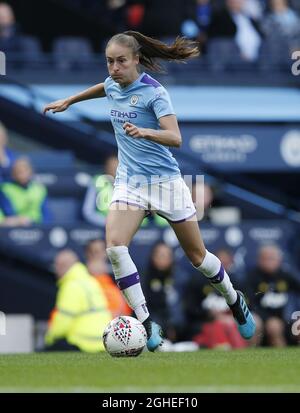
(134, 100)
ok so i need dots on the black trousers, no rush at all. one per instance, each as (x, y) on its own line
(62, 345)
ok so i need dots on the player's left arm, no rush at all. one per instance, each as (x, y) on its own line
(168, 134)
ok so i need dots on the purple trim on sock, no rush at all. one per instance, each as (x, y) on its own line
(150, 81)
(128, 281)
(219, 277)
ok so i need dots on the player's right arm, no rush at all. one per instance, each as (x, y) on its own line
(93, 92)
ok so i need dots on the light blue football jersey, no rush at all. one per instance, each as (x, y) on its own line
(141, 103)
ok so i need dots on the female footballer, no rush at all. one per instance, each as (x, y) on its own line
(148, 177)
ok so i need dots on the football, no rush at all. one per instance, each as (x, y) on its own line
(124, 337)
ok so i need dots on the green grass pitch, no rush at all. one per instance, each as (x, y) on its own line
(252, 370)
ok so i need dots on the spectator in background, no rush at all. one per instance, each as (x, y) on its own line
(12, 221)
(254, 9)
(23, 197)
(116, 10)
(10, 39)
(227, 259)
(281, 21)
(118, 15)
(81, 312)
(95, 249)
(203, 13)
(209, 208)
(207, 317)
(163, 18)
(7, 157)
(234, 262)
(195, 27)
(233, 23)
(96, 262)
(269, 289)
(203, 197)
(135, 15)
(99, 193)
(161, 296)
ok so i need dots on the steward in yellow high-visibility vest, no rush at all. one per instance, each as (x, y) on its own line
(22, 196)
(12, 221)
(81, 311)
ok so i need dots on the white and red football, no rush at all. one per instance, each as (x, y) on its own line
(124, 337)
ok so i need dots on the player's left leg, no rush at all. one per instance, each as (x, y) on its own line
(189, 236)
(121, 225)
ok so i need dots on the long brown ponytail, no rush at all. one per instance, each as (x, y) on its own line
(150, 49)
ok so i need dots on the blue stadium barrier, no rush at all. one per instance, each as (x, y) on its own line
(41, 243)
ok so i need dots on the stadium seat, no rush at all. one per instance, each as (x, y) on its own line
(65, 209)
(72, 53)
(29, 56)
(222, 54)
(31, 50)
(275, 53)
(51, 160)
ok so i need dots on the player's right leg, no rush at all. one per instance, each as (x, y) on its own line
(189, 236)
(121, 225)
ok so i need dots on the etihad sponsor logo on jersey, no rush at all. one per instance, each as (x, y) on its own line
(123, 115)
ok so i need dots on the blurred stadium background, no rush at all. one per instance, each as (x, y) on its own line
(239, 111)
